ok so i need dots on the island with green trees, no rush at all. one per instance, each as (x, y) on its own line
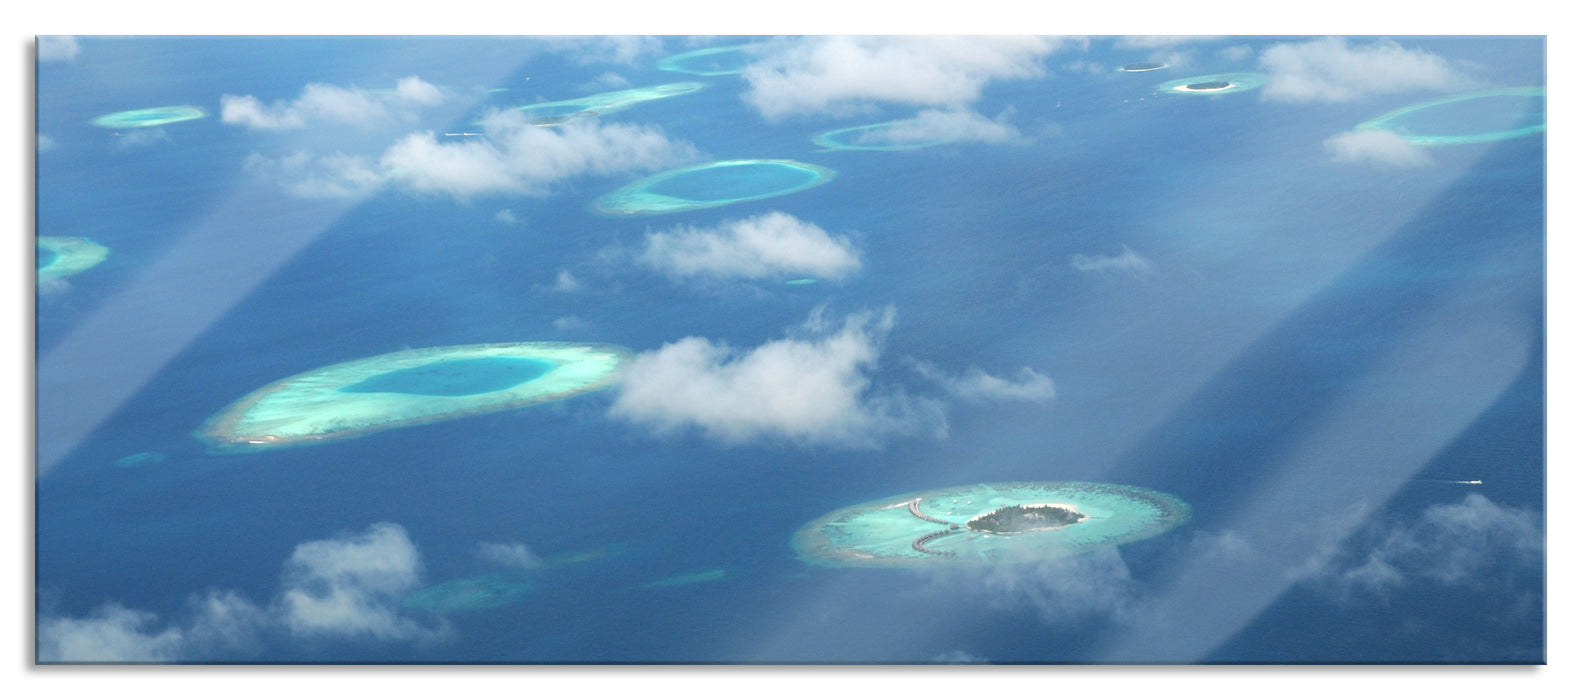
(1012, 519)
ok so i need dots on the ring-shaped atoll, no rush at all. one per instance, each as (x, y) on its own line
(1399, 121)
(712, 185)
(153, 116)
(1217, 84)
(988, 523)
(410, 387)
(1141, 67)
(553, 113)
(706, 61)
(62, 256)
(870, 137)
(471, 593)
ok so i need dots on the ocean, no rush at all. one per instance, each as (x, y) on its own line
(1337, 361)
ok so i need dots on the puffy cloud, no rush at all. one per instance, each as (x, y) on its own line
(352, 586)
(1127, 261)
(511, 555)
(628, 50)
(812, 389)
(344, 587)
(320, 103)
(811, 74)
(516, 157)
(954, 124)
(1331, 70)
(1160, 41)
(113, 634)
(312, 176)
(1475, 543)
(140, 138)
(764, 246)
(1238, 52)
(1378, 148)
(569, 323)
(1061, 590)
(45, 143)
(57, 48)
(606, 81)
(566, 282)
(979, 386)
(505, 216)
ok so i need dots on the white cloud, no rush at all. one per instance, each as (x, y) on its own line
(978, 386)
(352, 586)
(954, 124)
(57, 48)
(45, 143)
(311, 176)
(344, 587)
(1238, 52)
(511, 555)
(765, 246)
(811, 74)
(1061, 590)
(569, 323)
(505, 216)
(1085, 66)
(1378, 148)
(516, 157)
(141, 138)
(113, 634)
(1331, 70)
(1160, 41)
(1474, 543)
(812, 389)
(1127, 261)
(566, 282)
(606, 81)
(629, 50)
(321, 103)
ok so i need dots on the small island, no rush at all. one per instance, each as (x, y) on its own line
(1141, 67)
(1210, 85)
(1012, 519)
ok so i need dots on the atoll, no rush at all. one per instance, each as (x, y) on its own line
(1507, 113)
(1140, 67)
(712, 185)
(870, 137)
(153, 116)
(410, 387)
(471, 593)
(1218, 84)
(720, 60)
(61, 257)
(560, 112)
(988, 523)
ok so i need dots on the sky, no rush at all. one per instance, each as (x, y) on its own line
(842, 343)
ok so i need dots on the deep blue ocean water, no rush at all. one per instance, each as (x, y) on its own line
(1315, 357)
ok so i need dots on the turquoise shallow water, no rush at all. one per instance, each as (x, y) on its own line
(1493, 113)
(733, 182)
(464, 377)
(1270, 331)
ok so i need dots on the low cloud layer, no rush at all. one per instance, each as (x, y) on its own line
(1127, 261)
(345, 587)
(978, 386)
(952, 125)
(1332, 70)
(1377, 148)
(510, 555)
(329, 104)
(762, 247)
(813, 74)
(1476, 543)
(513, 158)
(814, 387)
(1063, 591)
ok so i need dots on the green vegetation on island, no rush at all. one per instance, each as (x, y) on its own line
(1012, 519)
